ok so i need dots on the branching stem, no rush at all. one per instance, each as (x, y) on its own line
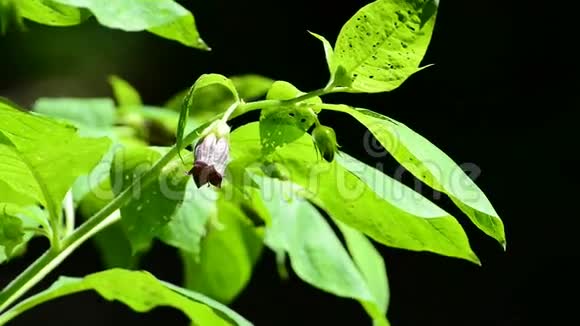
(110, 213)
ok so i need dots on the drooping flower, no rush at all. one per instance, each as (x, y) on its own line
(211, 156)
(325, 141)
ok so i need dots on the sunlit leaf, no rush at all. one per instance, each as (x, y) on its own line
(167, 118)
(432, 166)
(165, 18)
(228, 255)
(328, 53)
(50, 12)
(93, 117)
(384, 42)
(234, 316)
(95, 114)
(188, 224)
(87, 183)
(282, 125)
(251, 86)
(11, 229)
(17, 226)
(348, 199)
(316, 254)
(41, 158)
(139, 290)
(211, 93)
(151, 206)
(125, 94)
(370, 263)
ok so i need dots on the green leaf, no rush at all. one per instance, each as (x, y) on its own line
(283, 90)
(125, 94)
(155, 125)
(384, 42)
(168, 119)
(348, 199)
(432, 166)
(139, 290)
(251, 86)
(328, 53)
(151, 206)
(88, 183)
(370, 263)
(283, 125)
(112, 242)
(210, 94)
(83, 113)
(234, 316)
(11, 230)
(165, 18)
(94, 117)
(316, 254)
(234, 244)
(41, 158)
(49, 12)
(17, 226)
(188, 224)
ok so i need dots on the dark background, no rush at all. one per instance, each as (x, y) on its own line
(503, 94)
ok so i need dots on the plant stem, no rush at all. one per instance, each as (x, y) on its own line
(47, 262)
(226, 116)
(107, 215)
(110, 213)
(265, 104)
(69, 213)
(319, 92)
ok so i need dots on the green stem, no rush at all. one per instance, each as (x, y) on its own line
(266, 104)
(69, 213)
(226, 116)
(309, 95)
(46, 263)
(110, 213)
(53, 257)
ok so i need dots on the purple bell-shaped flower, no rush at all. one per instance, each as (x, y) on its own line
(211, 157)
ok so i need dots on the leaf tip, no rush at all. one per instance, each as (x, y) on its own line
(472, 257)
(318, 36)
(425, 67)
(200, 44)
(503, 243)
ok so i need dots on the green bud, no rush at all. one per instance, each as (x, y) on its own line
(325, 141)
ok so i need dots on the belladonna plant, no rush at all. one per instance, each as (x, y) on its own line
(267, 181)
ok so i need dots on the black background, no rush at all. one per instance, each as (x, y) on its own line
(503, 94)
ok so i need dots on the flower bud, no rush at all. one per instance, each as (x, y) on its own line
(325, 142)
(211, 156)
